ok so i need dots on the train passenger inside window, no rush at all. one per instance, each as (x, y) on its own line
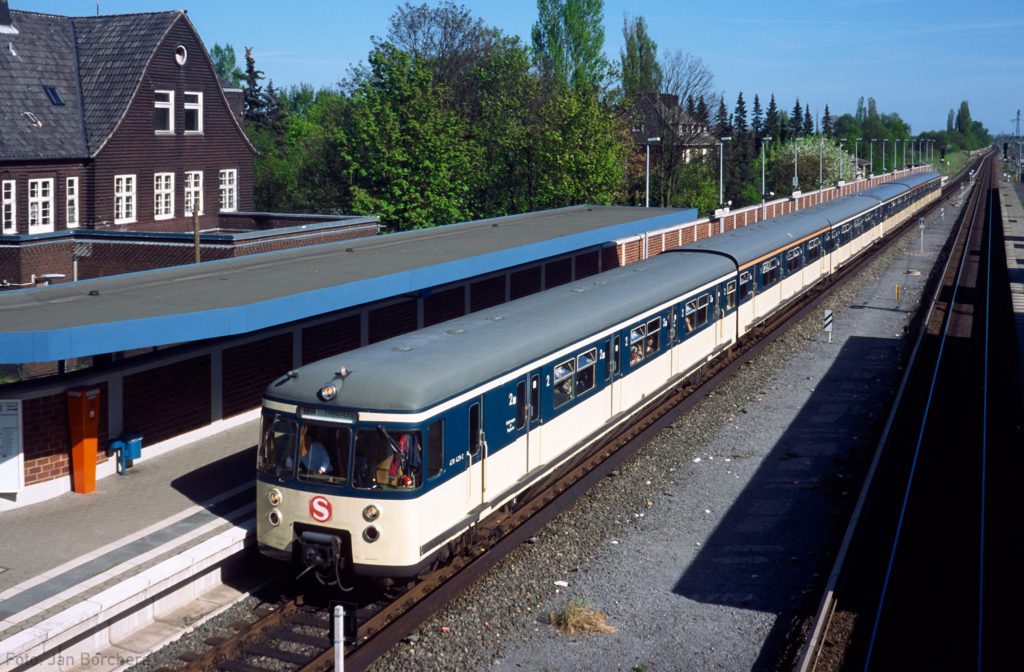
(745, 285)
(323, 453)
(653, 342)
(564, 382)
(586, 364)
(388, 459)
(636, 345)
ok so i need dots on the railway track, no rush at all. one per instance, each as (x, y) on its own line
(296, 636)
(909, 588)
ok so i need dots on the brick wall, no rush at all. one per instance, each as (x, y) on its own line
(525, 282)
(169, 400)
(249, 368)
(392, 320)
(487, 293)
(330, 338)
(47, 440)
(444, 305)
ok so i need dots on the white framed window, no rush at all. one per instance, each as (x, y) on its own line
(163, 112)
(71, 202)
(163, 195)
(229, 190)
(193, 112)
(193, 192)
(40, 205)
(9, 199)
(124, 199)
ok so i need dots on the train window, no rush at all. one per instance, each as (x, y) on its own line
(435, 449)
(813, 249)
(521, 404)
(474, 429)
(698, 312)
(844, 234)
(636, 344)
(745, 285)
(276, 455)
(323, 453)
(563, 382)
(534, 398)
(794, 260)
(826, 239)
(653, 342)
(387, 459)
(586, 366)
(769, 272)
(730, 295)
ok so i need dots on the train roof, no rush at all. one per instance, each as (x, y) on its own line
(420, 369)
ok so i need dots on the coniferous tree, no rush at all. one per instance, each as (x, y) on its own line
(254, 102)
(703, 113)
(808, 121)
(757, 124)
(826, 124)
(796, 119)
(771, 121)
(722, 126)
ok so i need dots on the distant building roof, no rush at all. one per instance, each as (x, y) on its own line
(94, 64)
(658, 114)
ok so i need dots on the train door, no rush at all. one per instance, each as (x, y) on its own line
(612, 371)
(533, 422)
(505, 431)
(475, 454)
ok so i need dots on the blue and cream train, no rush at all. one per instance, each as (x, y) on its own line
(378, 461)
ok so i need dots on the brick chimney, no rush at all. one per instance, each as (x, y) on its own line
(5, 18)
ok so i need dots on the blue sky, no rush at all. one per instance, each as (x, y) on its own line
(919, 58)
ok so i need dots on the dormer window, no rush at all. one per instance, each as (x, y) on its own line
(180, 54)
(193, 112)
(163, 111)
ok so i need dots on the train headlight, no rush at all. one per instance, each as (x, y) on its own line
(274, 497)
(371, 513)
(328, 392)
(274, 517)
(371, 534)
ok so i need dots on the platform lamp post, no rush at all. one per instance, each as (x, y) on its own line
(856, 158)
(647, 171)
(841, 141)
(871, 162)
(721, 169)
(884, 140)
(763, 192)
(796, 179)
(895, 155)
(821, 156)
(905, 141)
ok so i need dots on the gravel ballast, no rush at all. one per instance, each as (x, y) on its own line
(708, 550)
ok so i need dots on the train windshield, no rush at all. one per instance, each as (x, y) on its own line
(388, 459)
(323, 453)
(276, 454)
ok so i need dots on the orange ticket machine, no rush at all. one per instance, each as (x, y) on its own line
(84, 421)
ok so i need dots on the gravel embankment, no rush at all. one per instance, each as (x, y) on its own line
(707, 550)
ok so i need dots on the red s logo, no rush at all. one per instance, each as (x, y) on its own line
(320, 509)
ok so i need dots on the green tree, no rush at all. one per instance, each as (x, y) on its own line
(641, 72)
(254, 102)
(568, 39)
(410, 161)
(226, 64)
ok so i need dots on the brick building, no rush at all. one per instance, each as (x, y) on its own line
(113, 122)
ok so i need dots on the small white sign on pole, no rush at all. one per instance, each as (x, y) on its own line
(339, 638)
(828, 324)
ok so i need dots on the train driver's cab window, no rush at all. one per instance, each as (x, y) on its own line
(730, 295)
(813, 249)
(586, 369)
(653, 341)
(276, 454)
(636, 344)
(698, 312)
(769, 272)
(323, 453)
(794, 260)
(745, 285)
(564, 382)
(388, 459)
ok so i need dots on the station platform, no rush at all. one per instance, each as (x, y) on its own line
(92, 581)
(1011, 195)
